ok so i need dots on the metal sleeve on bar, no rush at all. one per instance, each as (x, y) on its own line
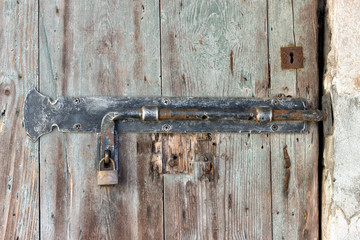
(264, 114)
(149, 113)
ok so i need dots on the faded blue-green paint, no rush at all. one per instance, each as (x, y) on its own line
(217, 48)
(98, 48)
(19, 171)
(224, 186)
(296, 212)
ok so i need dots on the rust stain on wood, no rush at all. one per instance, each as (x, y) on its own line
(287, 165)
(149, 184)
(207, 171)
(232, 62)
(178, 153)
(230, 201)
(61, 193)
(139, 48)
(156, 166)
(181, 152)
(65, 48)
(205, 154)
(174, 64)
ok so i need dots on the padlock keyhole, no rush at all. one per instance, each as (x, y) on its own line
(291, 58)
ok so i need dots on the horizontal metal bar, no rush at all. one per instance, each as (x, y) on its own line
(220, 115)
(299, 115)
(206, 115)
(110, 116)
(162, 114)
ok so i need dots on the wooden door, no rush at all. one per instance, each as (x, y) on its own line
(173, 186)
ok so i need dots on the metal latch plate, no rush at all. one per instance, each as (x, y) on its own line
(85, 114)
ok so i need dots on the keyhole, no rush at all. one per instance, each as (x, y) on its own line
(291, 58)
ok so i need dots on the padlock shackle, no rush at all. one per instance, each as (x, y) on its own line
(103, 160)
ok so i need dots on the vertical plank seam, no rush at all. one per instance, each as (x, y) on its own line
(39, 169)
(297, 91)
(321, 40)
(269, 137)
(161, 92)
(38, 142)
(268, 46)
(68, 193)
(293, 20)
(161, 76)
(293, 26)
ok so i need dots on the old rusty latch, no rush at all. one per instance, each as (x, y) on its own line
(108, 116)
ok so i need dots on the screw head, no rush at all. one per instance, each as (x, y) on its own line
(76, 100)
(276, 102)
(77, 126)
(166, 101)
(166, 127)
(274, 127)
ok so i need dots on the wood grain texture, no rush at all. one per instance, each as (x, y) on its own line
(217, 48)
(19, 176)
(99, 48)
(295, 212)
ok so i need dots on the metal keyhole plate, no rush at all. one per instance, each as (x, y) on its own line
(291, 57)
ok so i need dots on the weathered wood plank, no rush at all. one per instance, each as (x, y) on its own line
(99, 48)
(19, 176)
(216, 48)
(295, 212)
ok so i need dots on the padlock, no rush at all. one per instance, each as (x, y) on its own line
(107, 177)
